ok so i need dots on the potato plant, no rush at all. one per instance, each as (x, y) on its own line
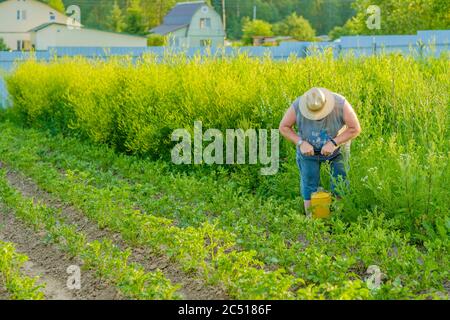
(320, 255)
(110, 263)
(96, 134)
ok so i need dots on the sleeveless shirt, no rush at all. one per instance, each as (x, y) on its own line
(319, 132)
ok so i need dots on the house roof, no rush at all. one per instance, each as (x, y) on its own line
(46, 25)
(165, 29)
(179, 17)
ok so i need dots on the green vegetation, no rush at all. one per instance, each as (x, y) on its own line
(254, 28)
(329, 259)
(56, 4)
(17, 285)
(117, 21)
(3, 46)
(155, 40)
(203, 248)
(296, 27)
(333, 17)
(82, 98)
(109, 262)
(134, 19)
(323, 15)
(398, 17)
(107, 152)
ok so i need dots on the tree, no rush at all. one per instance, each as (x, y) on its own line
(96, 14)
(297, 27)
(58, 5)
(253, 28)
(135, 19)
(156, 40)
(323, 15)
(116, 20)
(338, 32)
(398, 17)
(154, 11)
(3, 46)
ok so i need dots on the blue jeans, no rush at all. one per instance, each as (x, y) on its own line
(309, 167)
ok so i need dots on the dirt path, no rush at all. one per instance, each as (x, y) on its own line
(192, 288)
(50, 264)
(3, 294)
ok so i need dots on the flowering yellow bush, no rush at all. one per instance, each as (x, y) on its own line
(398, 163)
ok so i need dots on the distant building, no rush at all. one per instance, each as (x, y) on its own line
(30, 24)
(270, 41)
(61, 35)
(323, 38)
(18, 17)
(192, 24)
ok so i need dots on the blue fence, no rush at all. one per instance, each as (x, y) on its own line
(425, 43)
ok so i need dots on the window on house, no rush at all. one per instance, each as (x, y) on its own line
(20, 45)
(52, 16)
(18, 14)
(205, 23)
(24, 45)
(205, 43)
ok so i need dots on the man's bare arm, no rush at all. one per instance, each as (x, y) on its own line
(288, 132)
(286, 125)
(353, 127)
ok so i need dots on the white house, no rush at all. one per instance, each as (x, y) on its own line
(62, 35)
(192, 24)
(17, 17)
(28, 24)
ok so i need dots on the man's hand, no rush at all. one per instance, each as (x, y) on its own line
(328, 149)
(306, 149)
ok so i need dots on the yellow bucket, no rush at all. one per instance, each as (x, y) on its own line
(320, 204)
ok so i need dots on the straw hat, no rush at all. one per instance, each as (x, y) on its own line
(317, 103)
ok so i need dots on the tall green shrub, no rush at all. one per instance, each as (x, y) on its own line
(398, 164)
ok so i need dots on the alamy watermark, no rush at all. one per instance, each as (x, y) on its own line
(235, 147)
(373, 21)
(375, 275)
(74, 17)
(74, 279)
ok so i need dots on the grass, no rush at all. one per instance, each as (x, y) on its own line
(110, 263)
(321, 255)
(17, 285)
(102, 143)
